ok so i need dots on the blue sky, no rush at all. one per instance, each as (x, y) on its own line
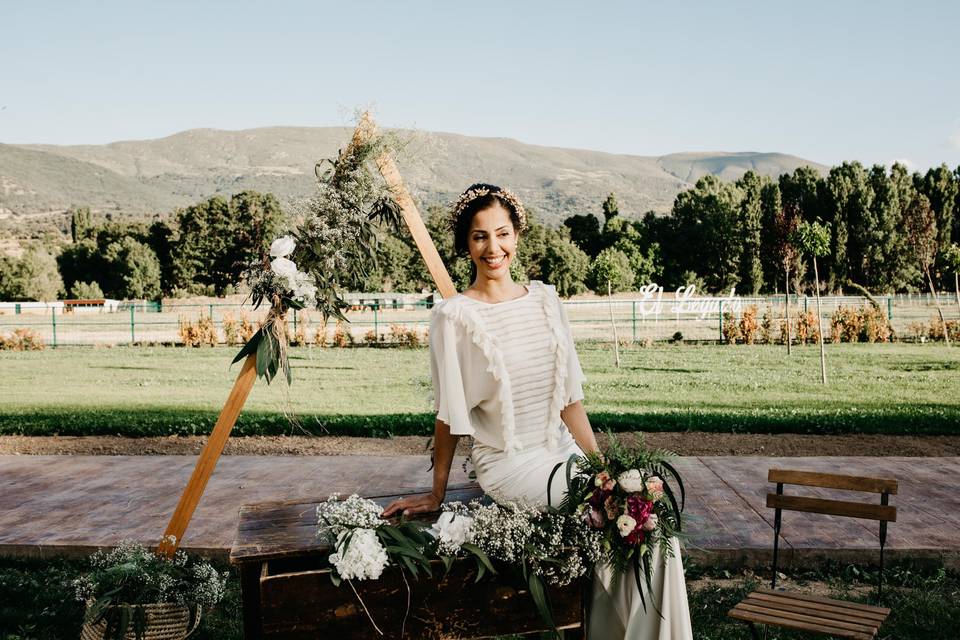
(828, 81)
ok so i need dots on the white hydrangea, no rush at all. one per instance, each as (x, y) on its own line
(452, 530)
(362, 557)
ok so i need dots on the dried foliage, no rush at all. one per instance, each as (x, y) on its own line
(203, 332)
(22, 340)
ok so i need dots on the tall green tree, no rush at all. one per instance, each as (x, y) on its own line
(610, 272)
(770, 205)
(79, 223)
(940, 187)
(135, 269)
(848, 198)
(709, 224)
(32, 276)
(751, 225)
(610, 208)
(218, 238)
(921, 227)
(565, 266)
(803, 189)
(585, 233)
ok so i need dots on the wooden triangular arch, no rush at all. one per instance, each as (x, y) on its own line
(207, 461)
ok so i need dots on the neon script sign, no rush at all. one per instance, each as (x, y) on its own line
(651, 302)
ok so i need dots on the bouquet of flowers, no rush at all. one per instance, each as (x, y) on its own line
(624, 494)
(124, 583)
(333, 246)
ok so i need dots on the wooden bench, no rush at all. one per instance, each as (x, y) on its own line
(287, 592)
(823, 616)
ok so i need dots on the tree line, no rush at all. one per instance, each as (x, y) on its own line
(719, 234)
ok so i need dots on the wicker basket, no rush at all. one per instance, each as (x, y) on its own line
(165, 621)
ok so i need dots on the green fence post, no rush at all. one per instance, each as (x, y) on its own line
(294, 322)
(633, 317)
(890, 309)
(720, 315)
(133, 331)
(805, 301)
(376, 321)
(53, 315)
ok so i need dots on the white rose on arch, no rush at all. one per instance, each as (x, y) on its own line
(282, 247)
(631, 481)
(285, 268)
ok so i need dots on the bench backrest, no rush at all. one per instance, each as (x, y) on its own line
(883, 512)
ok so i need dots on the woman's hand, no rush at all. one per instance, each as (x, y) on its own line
(425, 503)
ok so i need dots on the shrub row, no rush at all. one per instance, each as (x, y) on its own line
(921, 420)
(236, 331)
(846, 324)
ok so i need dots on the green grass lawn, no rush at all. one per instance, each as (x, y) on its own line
(883, 388)
(36, 602)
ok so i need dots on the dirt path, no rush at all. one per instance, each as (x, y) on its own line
(686, 444)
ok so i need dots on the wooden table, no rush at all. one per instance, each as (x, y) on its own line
(287, 592)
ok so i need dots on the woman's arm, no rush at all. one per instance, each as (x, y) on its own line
(444, 446)
(575, 417)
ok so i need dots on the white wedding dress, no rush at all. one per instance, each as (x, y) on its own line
(528, 352)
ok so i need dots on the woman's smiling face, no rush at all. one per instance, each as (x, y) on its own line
(492, 242)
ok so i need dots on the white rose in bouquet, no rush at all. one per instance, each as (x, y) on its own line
(631, 481)
(626, 524)
(363, 558)
(282, 247)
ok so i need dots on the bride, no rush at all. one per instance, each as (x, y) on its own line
(505, 371)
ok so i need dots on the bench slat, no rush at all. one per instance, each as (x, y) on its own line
(794, 624)
(832, 481)
(823, 609)
(828, 624)
(811, 598)
(833, 507)
(833, 606)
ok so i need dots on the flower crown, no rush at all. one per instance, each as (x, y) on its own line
(479, 191)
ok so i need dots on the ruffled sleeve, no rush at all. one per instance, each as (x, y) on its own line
(450, 399)
(574, 378)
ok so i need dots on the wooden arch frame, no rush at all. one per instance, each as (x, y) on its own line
(207, 461)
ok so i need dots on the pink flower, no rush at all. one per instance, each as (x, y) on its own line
(596, 519)
(601, 478)
(609, 485)
(655, 487)
(651, 522)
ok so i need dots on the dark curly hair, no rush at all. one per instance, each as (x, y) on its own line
(464, 216)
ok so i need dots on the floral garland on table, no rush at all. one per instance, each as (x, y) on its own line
(616, 510)
(333, 247)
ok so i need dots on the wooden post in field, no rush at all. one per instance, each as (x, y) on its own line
(207, 462)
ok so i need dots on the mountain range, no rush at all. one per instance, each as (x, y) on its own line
(156, 176)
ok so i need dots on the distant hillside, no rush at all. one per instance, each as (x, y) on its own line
(155, 176)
